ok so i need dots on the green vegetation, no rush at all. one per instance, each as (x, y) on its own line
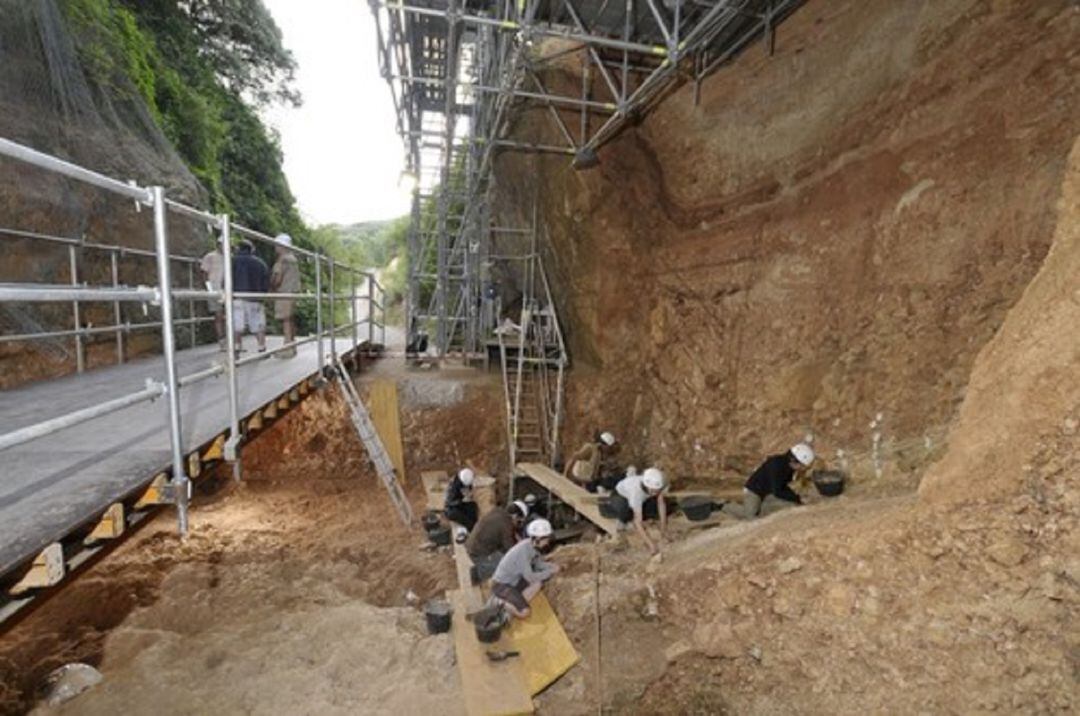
(204, 68)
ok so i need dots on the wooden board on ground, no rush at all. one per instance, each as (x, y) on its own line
(473, 597)
(435, 482)
(490, 688)
(387, 418)
(546, 652)
(573, 495)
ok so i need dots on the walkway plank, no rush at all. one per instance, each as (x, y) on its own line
(490, 688)
(574, 495)
(383, 398)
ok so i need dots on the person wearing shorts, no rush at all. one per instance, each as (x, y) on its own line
(250, 275)
(522, 571)
(212, 266)
(285, 278)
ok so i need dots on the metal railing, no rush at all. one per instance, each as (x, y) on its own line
(329, 275)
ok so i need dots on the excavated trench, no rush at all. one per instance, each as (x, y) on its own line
(300, 575)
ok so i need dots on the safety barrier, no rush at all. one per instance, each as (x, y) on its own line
(329, 275)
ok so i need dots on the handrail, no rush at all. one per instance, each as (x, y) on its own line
(164, 295)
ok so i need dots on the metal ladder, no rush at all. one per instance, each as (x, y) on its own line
(376, 450)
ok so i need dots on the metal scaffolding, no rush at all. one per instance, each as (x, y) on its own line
(458, 70)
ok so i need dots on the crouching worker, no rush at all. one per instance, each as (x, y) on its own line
(773, 478)
(592, 461)
(522, 572)
(459, 506)
(640, 497)
(494, 535)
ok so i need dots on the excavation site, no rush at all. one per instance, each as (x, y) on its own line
(561, 357)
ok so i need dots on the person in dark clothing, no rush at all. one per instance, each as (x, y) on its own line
(459, 506)
(774, 478)
(250, 275)
(494, 535)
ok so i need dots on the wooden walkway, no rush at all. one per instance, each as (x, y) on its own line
(572, 494)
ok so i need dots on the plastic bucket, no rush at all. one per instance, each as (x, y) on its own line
(829, 483)
(696, 507)
(438, 613)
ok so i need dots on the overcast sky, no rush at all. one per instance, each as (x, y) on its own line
(342, 154)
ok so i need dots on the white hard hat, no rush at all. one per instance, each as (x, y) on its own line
(607, 438)
(522, 507)
(466, 476)
(653, 479)
(539, 528)
(530, 499)
(283, 239)
(803, 453)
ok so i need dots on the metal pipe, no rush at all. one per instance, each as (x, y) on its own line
(370, 310)
(554, 99)
(232, 453)
(191, 306)
(333, 318)
(179, 480)
(36, 293)
(95, 330)
(318, 313)
(352, 314)
(190, 378)
(117, 314)
(48, 427)
(80, 356)
(44, 161)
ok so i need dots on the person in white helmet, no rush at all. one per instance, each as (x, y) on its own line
(494, 535)
(592, 461)
(459, 506)
(522, 571)
(773, 478)
(640, 497)
(285, 278)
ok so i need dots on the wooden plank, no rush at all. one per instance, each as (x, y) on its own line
(546, 651)
(489, 688)
(570, 493)
(383, 398)
(435, 482)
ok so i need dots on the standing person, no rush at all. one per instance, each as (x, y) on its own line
(773, 477)
(459, 506)
(250, 275)
(586, 465)
(640, 497)
(522, 571)
(285, 278)
(212, 266)
(494, 535)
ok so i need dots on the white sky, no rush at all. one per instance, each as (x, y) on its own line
(342, 153)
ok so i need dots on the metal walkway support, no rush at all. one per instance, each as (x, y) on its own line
(461, 70)
(384, 466)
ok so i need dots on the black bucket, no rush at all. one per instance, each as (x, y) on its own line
(829, 483)
(431, 520)
(696, 507)
(488, 633)
(438, 614)
(440, 536)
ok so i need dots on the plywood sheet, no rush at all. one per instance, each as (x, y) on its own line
(434, 482)
(546, 651)
(490, 688)
(574, 495)
(383, 399)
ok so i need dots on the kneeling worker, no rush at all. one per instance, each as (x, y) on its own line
(640, 497)
(774, 478)
(522, 572)
(592, 461)
(494, 535)
(459, 506)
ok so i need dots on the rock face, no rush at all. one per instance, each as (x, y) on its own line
(49, 102)
(823, 244)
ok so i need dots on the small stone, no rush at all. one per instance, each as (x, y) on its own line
(1070, 426)
(677, 650)
(755, 653)
(789, 565)
(69, 681)
(717, 640)
(758, 581)
(1008, 553)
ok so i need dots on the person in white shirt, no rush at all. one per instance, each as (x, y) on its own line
(640, 497)
(212, 266)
